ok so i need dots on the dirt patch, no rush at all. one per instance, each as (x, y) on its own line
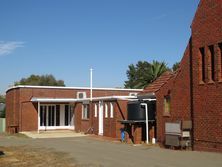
(34, 157)
(19, 135)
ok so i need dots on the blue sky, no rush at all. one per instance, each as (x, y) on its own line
(67, 37)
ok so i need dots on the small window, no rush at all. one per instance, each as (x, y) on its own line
(95, 110)
(220, 54)
(211, 48)
(81, 95)
(202, 64)
(111, 110)
(167, 104)
(106, 110)
(85, 111)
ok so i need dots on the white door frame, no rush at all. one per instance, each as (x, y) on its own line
(62, 117)
(100, 118)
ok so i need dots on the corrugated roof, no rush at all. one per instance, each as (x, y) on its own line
(158, 83)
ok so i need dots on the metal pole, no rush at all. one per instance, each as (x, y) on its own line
(147, 123)
(91, 77)
(38, 115)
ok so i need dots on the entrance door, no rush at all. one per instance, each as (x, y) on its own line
(47, 116)
(100, 117)
(51, 116)
(43, 112)
(56, 117)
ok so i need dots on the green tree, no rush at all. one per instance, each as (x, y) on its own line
(143, 73)
(176, 66)
(2, 112)
(43, 80)
(2, 99)
(157, 69)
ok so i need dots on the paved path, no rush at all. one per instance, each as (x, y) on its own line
(89, 151)
(53, 134)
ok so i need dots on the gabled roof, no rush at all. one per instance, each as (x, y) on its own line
(158, 83)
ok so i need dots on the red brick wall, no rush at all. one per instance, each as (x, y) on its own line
(178, 87)
(20, 111)
(207, 30)
(207, 95)
(120, 113)
(111, 126)
(10, 105)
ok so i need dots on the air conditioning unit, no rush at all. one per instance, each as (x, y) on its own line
(81, 95)
(133, 94)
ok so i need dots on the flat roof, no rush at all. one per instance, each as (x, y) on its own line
(82, 88)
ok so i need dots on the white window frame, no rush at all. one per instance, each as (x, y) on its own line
(84, 95)
(106, 110)
(95, 110)
(111, 110)
(85, 110)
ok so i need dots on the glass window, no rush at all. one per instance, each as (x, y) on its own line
(111, 110)
(106, 110)
(95, 110)
(57, 115)
(202, 64)
(85, 111)
(212, 55)
(66, 115)
(167, 104)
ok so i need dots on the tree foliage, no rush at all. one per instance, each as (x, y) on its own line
(2, 99)
(176, 66)
(40, 80)
(143, 73)
(2, 111)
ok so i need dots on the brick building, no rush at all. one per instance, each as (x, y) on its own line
(35, 108)
(194, 91)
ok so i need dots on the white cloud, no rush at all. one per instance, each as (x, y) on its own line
(8, 47)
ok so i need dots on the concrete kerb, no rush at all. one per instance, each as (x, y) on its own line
(52, 134)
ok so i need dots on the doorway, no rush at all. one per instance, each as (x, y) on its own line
(56, 117)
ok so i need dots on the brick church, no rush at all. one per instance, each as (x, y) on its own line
(194, 91)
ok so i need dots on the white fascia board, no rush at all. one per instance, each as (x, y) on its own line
(108, 98)
(83, 88)
(55, 100)
(60, 100)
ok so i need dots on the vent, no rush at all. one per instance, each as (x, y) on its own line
(81, 95)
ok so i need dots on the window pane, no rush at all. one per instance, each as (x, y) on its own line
(95, 110)
(167, 104)
(111, 110)
(57, 115)
(85, 111)
(66, 115)
(106, 110)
